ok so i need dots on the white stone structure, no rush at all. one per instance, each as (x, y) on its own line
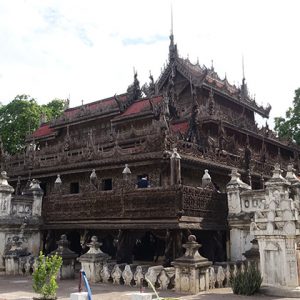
(191, 270)
(12, 257)
(20, 216)
(271, 216)
(5, 195)
(67, 270)
(239, 209)
(276, 227)
(93, 261)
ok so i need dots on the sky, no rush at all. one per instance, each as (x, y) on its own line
(87, 50)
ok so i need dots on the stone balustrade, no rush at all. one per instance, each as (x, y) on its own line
(220, 273)
(136, 275)
(191, 273)
(164, 278)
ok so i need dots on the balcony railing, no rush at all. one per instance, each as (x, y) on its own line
(138, 204)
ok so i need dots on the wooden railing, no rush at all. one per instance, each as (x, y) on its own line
(137, 204)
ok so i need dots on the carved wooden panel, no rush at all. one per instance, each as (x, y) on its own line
(137, 204)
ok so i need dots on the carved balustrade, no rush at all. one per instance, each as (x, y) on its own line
(163, 278)
(152, 203)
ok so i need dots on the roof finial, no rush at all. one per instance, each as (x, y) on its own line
(243, 67)
(244, 88)
(172, 47)
(171, 19)
(212, 64)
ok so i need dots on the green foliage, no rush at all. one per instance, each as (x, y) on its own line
(15, 120)
(289, 127)
(45, 275)
(246, 283)
(21, 117)
(54, 108)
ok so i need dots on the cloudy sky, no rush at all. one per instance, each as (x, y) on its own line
(88, 49)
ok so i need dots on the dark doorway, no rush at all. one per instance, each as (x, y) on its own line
(74, 239)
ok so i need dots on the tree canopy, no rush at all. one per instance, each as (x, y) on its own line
(289, 127)
(21, 117)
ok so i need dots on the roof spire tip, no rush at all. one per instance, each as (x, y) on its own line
(243, 67)
(171, 19)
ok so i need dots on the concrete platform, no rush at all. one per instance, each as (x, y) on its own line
(281, 292)
(20, 288)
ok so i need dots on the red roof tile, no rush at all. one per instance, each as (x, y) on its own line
(180, 127)
(42, 131)
(140, 105)
(97, 105)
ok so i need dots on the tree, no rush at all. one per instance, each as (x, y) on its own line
(54, 108)
(21, 117)
(18, 118)
(289, 127)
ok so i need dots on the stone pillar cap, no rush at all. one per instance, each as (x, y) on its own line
(4, 185)
(236, 182)
(291, 176)
(175, 154)
(94, 253)
(206, 178)
(58, 180)
(277, 177)
(191, 256)
(63, 248)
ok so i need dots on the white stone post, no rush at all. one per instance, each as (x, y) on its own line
(298, 261)
(92, 262)
(67, 270)
(5, 195)
(234, 187)
(191, 269)
(5, 210)
(175, 167)
(37, 194)
(239, 231)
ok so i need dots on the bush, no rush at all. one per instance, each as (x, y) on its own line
(45, 275)
(246, 283)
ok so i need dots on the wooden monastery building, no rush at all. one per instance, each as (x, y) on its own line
(92, 159)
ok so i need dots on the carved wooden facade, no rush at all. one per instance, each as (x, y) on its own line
(208, 120)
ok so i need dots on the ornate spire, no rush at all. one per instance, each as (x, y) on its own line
(134, 91)
(172, 47)
(244, 88)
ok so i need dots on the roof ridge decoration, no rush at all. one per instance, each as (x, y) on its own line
(134, 91)
(208, 76)
(149, 89)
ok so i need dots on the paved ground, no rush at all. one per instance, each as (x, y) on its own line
(21, 288)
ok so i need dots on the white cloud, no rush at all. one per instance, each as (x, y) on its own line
(88, 48)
